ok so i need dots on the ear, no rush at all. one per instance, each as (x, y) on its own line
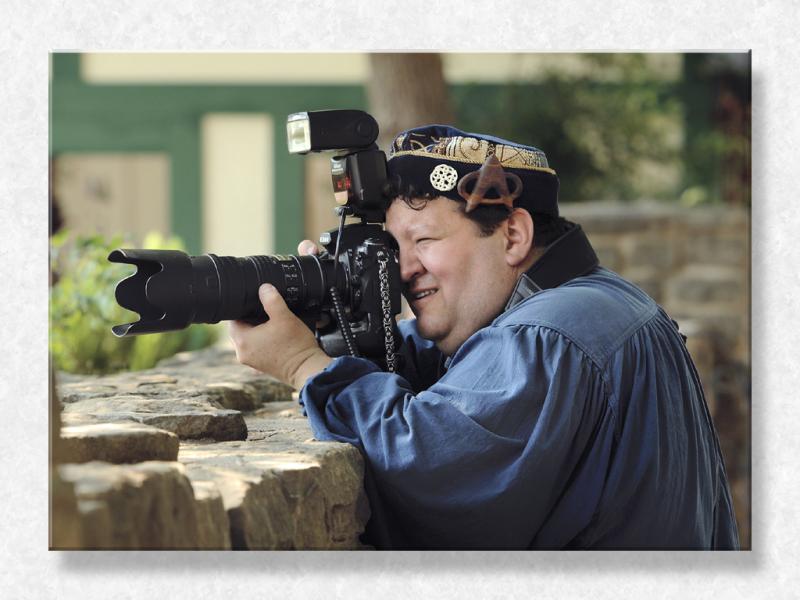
(519, 236)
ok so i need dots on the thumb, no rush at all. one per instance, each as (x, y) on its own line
(273, 302)
(307, 247)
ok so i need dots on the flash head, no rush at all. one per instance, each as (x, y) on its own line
(319, 130)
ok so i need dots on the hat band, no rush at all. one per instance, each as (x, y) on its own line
(539, 185)
(429, 155)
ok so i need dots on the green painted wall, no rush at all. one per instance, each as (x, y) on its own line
(166, 118)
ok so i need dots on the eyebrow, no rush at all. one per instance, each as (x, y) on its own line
(417, 227)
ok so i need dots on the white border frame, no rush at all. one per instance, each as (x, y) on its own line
(32, 30)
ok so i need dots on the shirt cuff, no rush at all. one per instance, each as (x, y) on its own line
(340, 373)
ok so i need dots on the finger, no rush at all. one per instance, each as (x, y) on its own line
(273, 302)
(307, 247)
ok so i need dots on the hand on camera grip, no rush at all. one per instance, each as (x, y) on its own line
(307, 248)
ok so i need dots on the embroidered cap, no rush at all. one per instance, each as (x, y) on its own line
(479, 169)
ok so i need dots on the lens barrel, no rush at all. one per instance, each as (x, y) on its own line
(171, 290)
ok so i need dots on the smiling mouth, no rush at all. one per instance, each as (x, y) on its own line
(421, 295)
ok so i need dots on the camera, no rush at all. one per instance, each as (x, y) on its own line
(349, 295)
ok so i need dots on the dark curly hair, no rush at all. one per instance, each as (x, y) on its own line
(546, 228)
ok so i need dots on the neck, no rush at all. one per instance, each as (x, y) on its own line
(568, 257)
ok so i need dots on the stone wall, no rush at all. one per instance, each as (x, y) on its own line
(696, 264)
(200, 452)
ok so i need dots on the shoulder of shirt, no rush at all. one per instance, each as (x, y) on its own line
(597, 312)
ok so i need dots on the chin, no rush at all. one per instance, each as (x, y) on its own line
(448, 347)
(424, 330)
(441, 338)
(429, 330)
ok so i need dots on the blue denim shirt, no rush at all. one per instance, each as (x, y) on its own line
(575, 420)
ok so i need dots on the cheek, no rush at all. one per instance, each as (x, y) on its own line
(443, 261)
(485, 269)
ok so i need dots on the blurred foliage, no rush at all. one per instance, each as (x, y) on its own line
(716, 90)
(616, 131)
(83, 309)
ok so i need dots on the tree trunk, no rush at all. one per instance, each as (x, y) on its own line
(407, 90)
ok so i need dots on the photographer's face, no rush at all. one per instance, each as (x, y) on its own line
(455, 280)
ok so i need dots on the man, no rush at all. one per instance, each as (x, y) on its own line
(542, 402)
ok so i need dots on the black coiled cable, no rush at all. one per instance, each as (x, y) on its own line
(340, 316)
(347, 333)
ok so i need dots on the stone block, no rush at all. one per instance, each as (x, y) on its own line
(618, 218)
(123, 442)
(187, 415)
(648, 279)
(717, 219)
(273, 410)
(219, 364)
(149, 505)
(649, 251)
(97, 527)
(270, 390)
(608, 251)
(193, 395)
(65, 519)
(707, 284)
(236, 396)
(213, 526)
(282, 489)
(187, 374)
(73, 391)
(709, 249)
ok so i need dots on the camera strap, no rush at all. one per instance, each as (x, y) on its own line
(570, 256)
(386, 308)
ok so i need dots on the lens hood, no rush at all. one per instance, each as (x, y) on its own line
(160, 290)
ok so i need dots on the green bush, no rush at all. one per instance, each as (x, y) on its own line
(83, 309)
(603, 138)
(621, 129)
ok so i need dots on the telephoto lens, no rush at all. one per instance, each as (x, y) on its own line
(171, 290)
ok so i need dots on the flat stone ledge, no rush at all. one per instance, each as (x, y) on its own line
(123, 442)
(194, 395)
(187, 417)
(218, 365)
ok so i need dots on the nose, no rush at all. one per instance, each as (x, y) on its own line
(410, 265)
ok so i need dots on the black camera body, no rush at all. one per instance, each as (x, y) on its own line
(364, 248)
(349, 294)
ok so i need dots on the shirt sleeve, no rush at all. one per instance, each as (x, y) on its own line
(480, 457)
